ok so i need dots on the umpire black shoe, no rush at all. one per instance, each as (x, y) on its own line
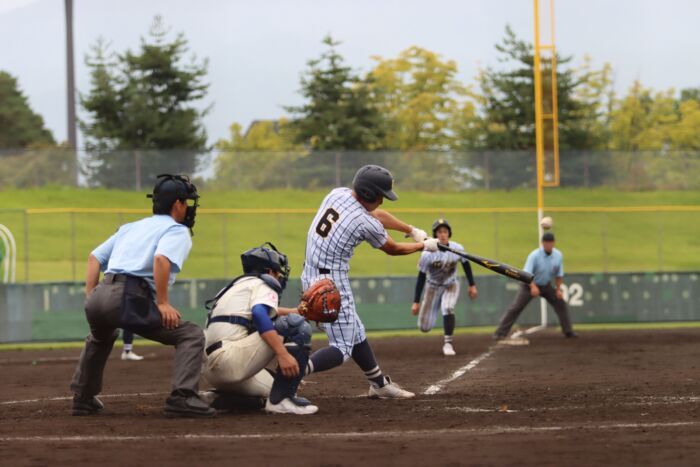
(570, 335)
(90, 406)
(187, 405)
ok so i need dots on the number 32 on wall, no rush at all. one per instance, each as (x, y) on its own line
(573, 294)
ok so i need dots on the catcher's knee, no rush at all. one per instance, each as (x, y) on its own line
(294, 329)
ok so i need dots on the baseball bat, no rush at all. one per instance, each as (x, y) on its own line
(500, 268)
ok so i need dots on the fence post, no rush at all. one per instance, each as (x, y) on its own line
(72, 244)
(26, 246)
(495, 234)
(224, 242)
(660, 240)
(604, 240)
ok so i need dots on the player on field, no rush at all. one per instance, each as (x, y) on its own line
(439, 270)
(248, 332)
(346, 218)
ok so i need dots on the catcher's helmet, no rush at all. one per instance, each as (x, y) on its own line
(262, 258)
(372, 181)
(171, 188)
(441, 223)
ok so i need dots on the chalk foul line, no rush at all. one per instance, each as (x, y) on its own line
(349, 434)
(440, 385)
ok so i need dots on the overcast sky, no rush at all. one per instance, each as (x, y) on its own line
(258, 48)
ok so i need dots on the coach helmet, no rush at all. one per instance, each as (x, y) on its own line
(441, 223)
(171, 188)
(260, 259)
(372, 181)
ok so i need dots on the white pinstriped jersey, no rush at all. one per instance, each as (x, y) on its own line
(441, 266)
(339, 226)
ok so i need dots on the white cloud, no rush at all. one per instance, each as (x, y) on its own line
(7, 6)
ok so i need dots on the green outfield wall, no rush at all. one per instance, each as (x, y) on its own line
(54, 311)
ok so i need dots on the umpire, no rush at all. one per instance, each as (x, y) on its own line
(141, 258)
(544, 263)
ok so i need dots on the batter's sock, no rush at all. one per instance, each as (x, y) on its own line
(448, 321)
(364, 357)
(128, 347)
(324, 359)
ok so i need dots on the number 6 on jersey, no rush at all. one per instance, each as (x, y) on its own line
(323, 228)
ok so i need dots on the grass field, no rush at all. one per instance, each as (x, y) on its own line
(58, 243)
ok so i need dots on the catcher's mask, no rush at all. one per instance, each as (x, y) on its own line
(171, 188)
(262, 258)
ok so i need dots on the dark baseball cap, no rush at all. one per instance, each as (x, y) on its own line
(548, 237)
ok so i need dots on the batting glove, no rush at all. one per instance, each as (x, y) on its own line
(430, 245)
(417, 235)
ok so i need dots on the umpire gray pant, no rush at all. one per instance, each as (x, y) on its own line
(523, 298)
(103, 311)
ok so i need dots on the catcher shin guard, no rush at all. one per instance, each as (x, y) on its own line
(297, 339)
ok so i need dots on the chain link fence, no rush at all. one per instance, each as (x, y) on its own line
(309, 170)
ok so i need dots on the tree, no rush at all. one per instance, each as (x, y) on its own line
(507, 123)
(259, 159)
(141, 114)
(338, 113)
(20, 126)
(419, 95)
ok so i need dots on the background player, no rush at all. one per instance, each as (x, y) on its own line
(442, 290)
(128, 351)
(544, 263)
(248, 332)
(346, 218)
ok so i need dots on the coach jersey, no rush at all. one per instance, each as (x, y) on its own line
(341, 224)
(441, 266)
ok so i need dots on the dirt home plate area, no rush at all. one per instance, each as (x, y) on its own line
(609, 397)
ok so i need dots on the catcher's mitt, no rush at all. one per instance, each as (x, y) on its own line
(320, 302)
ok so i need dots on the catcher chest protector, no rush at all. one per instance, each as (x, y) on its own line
(372, 181)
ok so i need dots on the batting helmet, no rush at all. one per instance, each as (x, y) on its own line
(260, 259)
(372, 181)
(441, 223)
(171, 188)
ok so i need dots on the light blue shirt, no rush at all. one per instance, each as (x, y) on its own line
(545, 267)
(132, 248)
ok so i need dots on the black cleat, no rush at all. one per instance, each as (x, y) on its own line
(82, 407)
(570, 335)
(178, 405)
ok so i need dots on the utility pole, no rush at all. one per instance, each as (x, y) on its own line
(70, 76)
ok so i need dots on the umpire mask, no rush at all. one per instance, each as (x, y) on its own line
(171, 188)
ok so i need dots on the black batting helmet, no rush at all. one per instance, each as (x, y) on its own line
(171, 188)
(441, 223)
(372, 181)
(262, 258)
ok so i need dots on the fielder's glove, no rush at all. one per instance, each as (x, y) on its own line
(430, 245)
(320, 302)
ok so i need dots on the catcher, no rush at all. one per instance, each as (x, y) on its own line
(254, 348)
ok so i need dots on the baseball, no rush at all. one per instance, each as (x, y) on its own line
(546, 223)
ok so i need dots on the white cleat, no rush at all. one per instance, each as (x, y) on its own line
(390, 390)
(287, 406)
(131, 356)
(448, 350)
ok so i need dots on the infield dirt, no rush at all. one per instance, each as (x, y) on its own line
(609, 397)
